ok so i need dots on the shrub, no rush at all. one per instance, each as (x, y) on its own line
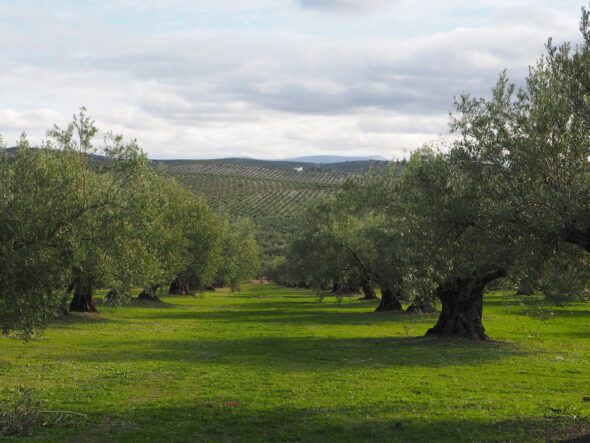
(20, 414)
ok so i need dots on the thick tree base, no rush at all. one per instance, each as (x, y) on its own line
(83, 292)
(149, 294)
(390, 301)
(461, 329)
(462, 306)
(460, 318)
(82, 305)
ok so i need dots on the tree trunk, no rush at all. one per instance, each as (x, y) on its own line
(390, 300)
(368, 290)
(178, 287)
(83, 292)
(462, 306)
(149, 293)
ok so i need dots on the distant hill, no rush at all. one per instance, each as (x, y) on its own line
(254, 188)
(350, 166)
(324, 159)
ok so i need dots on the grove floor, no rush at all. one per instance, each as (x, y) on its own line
(279, 364)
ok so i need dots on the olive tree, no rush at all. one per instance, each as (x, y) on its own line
(72, 218)
(63, 219)
(356, 236)
(460, 242)
(180, 236)
(115, 244)
(217, 252)
(317, 256)
(513, 186)
(383, 243)
(37, 215)
(201, 246)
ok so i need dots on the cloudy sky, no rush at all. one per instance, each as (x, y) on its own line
(264, 78)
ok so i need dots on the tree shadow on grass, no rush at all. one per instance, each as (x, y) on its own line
(306, 302)
(136, 303)
(309, 353)
(287, 313)
(228, 419)
(82, 317)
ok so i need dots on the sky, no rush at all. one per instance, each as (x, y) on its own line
(264, 78)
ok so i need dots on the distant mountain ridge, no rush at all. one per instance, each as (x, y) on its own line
(324, 159)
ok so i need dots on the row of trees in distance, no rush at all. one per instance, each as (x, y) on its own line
(73, 221)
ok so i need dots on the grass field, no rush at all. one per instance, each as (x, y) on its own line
(278, 364)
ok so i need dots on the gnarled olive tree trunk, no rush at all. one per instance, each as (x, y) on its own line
(149, 293)
(462, 306)
(390, 300)
(83, 294)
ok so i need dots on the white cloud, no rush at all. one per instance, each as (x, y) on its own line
(213, 87)
(347, 5)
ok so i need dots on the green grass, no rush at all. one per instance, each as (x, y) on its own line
(276, 364)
